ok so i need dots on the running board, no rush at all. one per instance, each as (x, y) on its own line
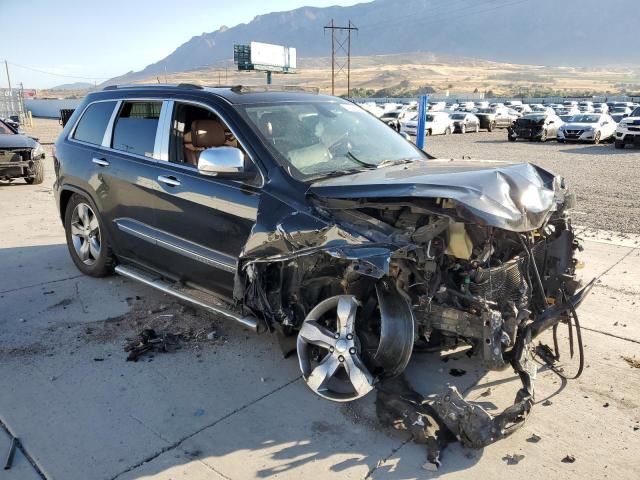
(164, 286)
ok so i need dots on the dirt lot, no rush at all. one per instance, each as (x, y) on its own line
(226, 405)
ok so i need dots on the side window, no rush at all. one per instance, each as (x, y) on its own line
(135, 128)
(94, 122)
(194, 129)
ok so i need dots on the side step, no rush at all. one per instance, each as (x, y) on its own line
(164, 286)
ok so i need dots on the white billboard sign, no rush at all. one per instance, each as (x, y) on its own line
(273, 55)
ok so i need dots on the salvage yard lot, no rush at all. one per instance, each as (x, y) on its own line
(227, 405)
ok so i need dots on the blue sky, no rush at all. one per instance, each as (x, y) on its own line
(99, 40)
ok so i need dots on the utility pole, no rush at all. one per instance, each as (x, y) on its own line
(6, 66)
(338, 44)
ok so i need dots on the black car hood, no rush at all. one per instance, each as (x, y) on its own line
(16, 141)
(517, 197)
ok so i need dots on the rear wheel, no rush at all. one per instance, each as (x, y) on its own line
(463, 128)
(37, 176)
(596, 139)
(491, 127)
(543, 137)
(87, 239)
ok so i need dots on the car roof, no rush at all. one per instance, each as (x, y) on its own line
(235, 94)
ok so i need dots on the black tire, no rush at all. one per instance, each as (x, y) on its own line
(619, 144)
(463, 128)
(38, 173)
(511, 138)
(96, 265)
(491, 126)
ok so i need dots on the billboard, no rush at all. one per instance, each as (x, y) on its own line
(265, 57)
(270, 55)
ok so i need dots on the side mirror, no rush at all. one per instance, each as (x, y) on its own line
(221, 161)
(551, 121)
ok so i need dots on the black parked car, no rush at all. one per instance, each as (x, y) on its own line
(305, 215)
(20, 156)
(535, 126)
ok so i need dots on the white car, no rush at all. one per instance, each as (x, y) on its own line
(570, 110)
(628, 130)
(438, 123)
(522, 108)
(585, 106)
(466, 106)
(437, 106)
(538, 108)
(600, 107)
(587, 127)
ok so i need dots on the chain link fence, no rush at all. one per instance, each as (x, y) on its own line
(12, 105)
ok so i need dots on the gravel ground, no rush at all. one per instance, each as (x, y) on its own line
(606, 180)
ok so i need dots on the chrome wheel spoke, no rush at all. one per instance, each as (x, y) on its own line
(347, 307)
(316, 334)
(93, 224)
(323, 373)
(94, 247)
(83, 214)
(76, 229)
(84, 250)
(359, 375)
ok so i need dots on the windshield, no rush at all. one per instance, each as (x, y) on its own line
(317, 139)
(458, 116)
(486, 110)
(5, 130)
(391, 114)
(586, 119)
(636, 112)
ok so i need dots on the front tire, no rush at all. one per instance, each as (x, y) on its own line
(619, 144)
(87, 239)
(38, 173)
(596, 139)
(491, 127)
(543, 137)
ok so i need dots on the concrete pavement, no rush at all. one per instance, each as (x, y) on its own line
(236, 409)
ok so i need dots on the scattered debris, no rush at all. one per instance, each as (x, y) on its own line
(50, 292)
(636, 428)
(457, 372)
(486, 393)
(149, 341)
(534, 438)
(606, 405)
(11, 454)
(632, 361)
(98, 359)
(513, 459)
(568, 459)
(546, 403)
(400, 407)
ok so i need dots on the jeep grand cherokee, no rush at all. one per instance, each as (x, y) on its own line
(304, 215)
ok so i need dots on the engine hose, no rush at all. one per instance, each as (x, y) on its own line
(574, 314)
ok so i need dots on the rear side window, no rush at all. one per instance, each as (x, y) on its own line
(136, 126)
(94, 122)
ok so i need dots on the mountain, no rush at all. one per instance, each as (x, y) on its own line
(73, 86)
(585, 33)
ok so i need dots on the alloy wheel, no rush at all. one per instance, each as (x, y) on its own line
(85, 233)
(329, 356)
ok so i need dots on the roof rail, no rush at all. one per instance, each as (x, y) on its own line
(273, 88)
(152, 85)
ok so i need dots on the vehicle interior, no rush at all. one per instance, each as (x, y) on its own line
(195, 129)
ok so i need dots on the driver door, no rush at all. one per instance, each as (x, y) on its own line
(203, 221)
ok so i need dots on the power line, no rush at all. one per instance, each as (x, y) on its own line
(337, 45)
(79, 77)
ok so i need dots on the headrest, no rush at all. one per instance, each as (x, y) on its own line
(274, 124)
(207, 133)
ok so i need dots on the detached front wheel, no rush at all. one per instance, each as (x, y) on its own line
(344, 346)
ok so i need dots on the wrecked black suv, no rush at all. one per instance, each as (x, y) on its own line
(304, 215)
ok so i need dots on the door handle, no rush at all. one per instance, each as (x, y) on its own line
(169, 180)
(100, 161)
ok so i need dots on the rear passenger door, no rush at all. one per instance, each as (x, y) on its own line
(126, 176)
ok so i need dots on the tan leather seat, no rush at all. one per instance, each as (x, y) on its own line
(204, 134)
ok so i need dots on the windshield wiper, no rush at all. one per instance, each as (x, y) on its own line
(360, 162)
(338, 173)
(400, 161)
